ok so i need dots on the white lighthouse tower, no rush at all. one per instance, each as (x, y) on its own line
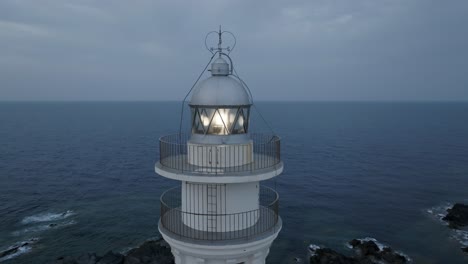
(220, 213)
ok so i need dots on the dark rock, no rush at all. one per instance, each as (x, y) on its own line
(465, 249)
(457, 216)
(111, 258)
(353, 243)
(367, 248)
(87, 259)
(297, 260)
(131, 260)
(9, 251)
(329, 256)
(370, 252)
(150, 252)
(367, 252)
(390, 256)
(66, 260)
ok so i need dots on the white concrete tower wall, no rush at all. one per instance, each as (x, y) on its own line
(220, 207)
(220, 156)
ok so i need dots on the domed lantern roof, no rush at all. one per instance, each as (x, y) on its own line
(220, 89)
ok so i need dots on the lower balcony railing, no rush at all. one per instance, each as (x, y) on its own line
(217, 227)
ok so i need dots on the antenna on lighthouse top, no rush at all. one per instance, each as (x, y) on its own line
(220, 48)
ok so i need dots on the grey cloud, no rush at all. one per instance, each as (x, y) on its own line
(287, 50)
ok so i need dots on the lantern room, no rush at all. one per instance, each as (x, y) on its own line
(220, 104)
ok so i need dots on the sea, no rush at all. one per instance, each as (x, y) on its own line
(78, 177)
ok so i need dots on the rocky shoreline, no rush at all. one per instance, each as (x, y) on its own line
(457, 218)
(150, 252)
(367, 251)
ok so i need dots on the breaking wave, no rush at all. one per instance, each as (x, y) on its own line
(439, 211)
(47, 217)
(381, 246)
(17, 249)
(461, 236)
(312, 250)
(366, 239)
(39, 228)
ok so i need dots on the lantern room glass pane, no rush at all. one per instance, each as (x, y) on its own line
(219, 121)
(238, 127)
(197, 126)
(207, 115)
(246, 115)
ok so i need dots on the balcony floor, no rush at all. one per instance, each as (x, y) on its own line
(179, 164)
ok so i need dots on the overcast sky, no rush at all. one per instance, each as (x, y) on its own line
(286, 50)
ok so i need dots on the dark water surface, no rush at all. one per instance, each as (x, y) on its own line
(352, 170)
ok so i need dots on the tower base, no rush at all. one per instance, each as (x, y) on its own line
(252, 251)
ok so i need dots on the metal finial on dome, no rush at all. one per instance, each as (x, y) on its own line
(220, 67)
(220, 49)
(220, 41)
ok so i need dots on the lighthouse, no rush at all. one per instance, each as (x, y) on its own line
(220, 213)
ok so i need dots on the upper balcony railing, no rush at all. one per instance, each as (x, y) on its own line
(176, 153)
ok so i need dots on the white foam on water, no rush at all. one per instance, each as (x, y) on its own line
(439, 211)
(404, 255)
(20, 251)
(21, 248)
(40, 228)
(462, 237)
(367, 239)
(312, 249)
(33, 229)
(47, 217)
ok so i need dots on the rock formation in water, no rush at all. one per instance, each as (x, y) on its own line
(17, 249)
(326, 255)
(457, 216)
(150, 252)
(366, 252)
